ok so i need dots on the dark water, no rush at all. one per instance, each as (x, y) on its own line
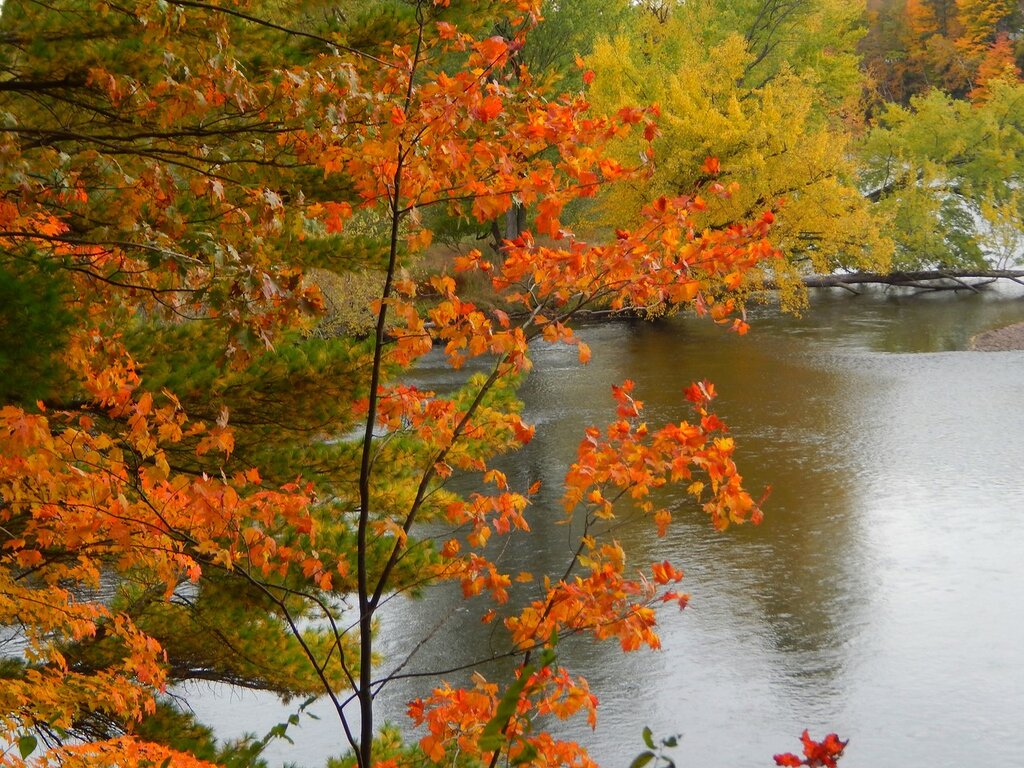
(881, 598)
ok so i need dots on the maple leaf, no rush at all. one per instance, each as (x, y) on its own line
(665, 573)
(490, 107)
(788, 759)
(816, 754)
(493, 50)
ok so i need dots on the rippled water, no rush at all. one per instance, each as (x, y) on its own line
(882, 596)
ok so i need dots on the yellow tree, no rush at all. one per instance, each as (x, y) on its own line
(776, 130)
(980, 22)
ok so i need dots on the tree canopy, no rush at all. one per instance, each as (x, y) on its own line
(860, 125)
(201, 475)
(229, 231)
(735, 82)
(949, 173)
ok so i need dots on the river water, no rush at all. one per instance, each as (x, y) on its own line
(882, 595)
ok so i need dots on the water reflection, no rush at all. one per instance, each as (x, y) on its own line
(774, 605)
(880, 596)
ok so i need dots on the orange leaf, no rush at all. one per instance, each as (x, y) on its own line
(493, 49)
(489, 109)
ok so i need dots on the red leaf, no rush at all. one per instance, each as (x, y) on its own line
(788, 759)
(630, 115)
(336, 213)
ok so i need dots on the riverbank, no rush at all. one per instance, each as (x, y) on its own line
(1010, 337)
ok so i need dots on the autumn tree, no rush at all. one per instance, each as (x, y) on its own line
(998, 65)
(890, 70)
(948, 173)
(142, 217)
(981, 22)
(917, 45)
(191, 445)
(738, 83)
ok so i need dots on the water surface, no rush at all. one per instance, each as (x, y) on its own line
(881, 597)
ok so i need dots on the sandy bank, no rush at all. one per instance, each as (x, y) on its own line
(1010, 337)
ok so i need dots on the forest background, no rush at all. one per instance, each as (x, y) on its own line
(228, 228)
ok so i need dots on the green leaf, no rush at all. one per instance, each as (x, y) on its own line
(493, 736)
(648, 738)
(642, 759)
(166, 763)
(547, 657)
(671, 741)
(306, 705)
(280, 731)
(27, 745)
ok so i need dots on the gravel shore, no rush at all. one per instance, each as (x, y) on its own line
(1004, 339)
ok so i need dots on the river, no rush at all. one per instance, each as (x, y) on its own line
(882, 595)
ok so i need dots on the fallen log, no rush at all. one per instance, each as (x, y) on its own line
(929, 280)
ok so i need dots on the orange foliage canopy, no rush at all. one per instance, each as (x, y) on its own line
(953, 45)
(87, 491)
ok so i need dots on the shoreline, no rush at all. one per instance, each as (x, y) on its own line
(1006, 339)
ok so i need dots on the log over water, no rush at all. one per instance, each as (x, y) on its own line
(929, 280)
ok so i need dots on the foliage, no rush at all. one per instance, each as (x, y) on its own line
(949, 173)
(997, 65)
(568, 32)
(731, 85)
(655, 755)
(814, 39)
(942, 174)
(923, 44)
(208, 483)
(824, 753)
(31, 307)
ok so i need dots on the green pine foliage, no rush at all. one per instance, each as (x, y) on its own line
(34, 320)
